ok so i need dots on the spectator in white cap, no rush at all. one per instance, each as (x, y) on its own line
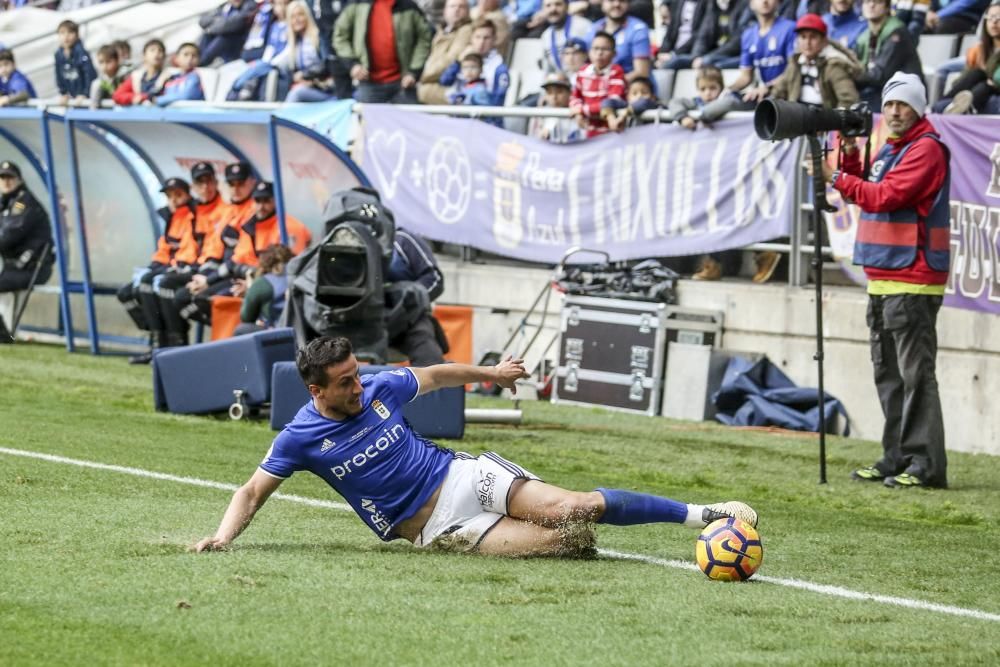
(903, 243)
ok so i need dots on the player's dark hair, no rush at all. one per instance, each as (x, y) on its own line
(313, 359)
(6, 55)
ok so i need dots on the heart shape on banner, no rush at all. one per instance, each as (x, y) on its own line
(387, 149)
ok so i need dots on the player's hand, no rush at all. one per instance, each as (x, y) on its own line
(509, 371)
(210, 544)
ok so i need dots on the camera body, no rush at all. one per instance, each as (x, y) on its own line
(774, 120)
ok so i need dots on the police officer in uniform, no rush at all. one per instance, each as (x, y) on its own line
(25, 233)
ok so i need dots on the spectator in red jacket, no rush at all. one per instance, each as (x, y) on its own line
(148, 80)
(599, 81)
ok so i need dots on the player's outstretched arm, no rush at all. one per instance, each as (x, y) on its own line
(505, 374)
(246, 501)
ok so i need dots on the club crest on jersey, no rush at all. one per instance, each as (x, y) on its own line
(327, 445)
(380, 409)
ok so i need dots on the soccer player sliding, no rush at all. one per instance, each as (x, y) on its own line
(353, 435)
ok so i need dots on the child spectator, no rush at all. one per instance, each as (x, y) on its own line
(494, 70)
(148, 80)
(765, 48)
(110, 77)
(15, 88)
(574, 58)
(631, 35)
(556, 130)
(639, 99)
(124, 51)
(599, 81)
(186, 85)
(685, 110)
(884, 48)
(470, 87)
(74, 69)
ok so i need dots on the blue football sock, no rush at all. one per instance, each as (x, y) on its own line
(627, 508)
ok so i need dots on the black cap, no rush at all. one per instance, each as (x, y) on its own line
(8, 168)
(202, 169)
(263, 190)
(238, 171)
(175, 184)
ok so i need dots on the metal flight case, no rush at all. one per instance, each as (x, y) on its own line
(611, 354)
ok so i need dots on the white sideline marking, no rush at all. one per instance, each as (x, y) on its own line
(822, 589)
(193, 481)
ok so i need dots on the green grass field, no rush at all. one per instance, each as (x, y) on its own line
(94, 567)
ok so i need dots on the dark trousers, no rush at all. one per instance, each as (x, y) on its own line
(904, 351)
(198, 308)
(227, 47)
(385, 93)
(419, 343)
(130, 296)
(974, 80)
(167, 308)
(15, 280)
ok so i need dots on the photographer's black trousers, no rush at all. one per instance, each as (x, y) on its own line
(904, 350)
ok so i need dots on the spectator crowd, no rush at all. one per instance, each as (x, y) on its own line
(599, 60)
(822, 52)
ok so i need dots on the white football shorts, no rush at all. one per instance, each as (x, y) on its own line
(473, 499)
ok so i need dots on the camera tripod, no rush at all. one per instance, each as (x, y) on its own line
(820, 205)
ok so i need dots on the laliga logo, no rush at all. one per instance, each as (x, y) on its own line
(876, 170)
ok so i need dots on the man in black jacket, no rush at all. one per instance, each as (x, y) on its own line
(677, 49)
(421, 339)
(25, 236)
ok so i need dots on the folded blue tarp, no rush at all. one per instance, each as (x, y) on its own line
(758, 393)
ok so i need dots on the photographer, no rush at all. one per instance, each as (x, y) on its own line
(903, 243)
(421, 338)
(25, 234)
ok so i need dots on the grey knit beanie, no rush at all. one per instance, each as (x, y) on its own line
(906, 88)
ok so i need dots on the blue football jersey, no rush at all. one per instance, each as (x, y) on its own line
(374, 460)
(769, 52)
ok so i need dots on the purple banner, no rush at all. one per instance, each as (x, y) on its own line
(974, 141)
(657, 190)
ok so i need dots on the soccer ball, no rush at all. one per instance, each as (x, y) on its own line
(729, 550)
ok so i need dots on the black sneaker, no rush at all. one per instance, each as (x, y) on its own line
(869, 474)
(144, 358)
